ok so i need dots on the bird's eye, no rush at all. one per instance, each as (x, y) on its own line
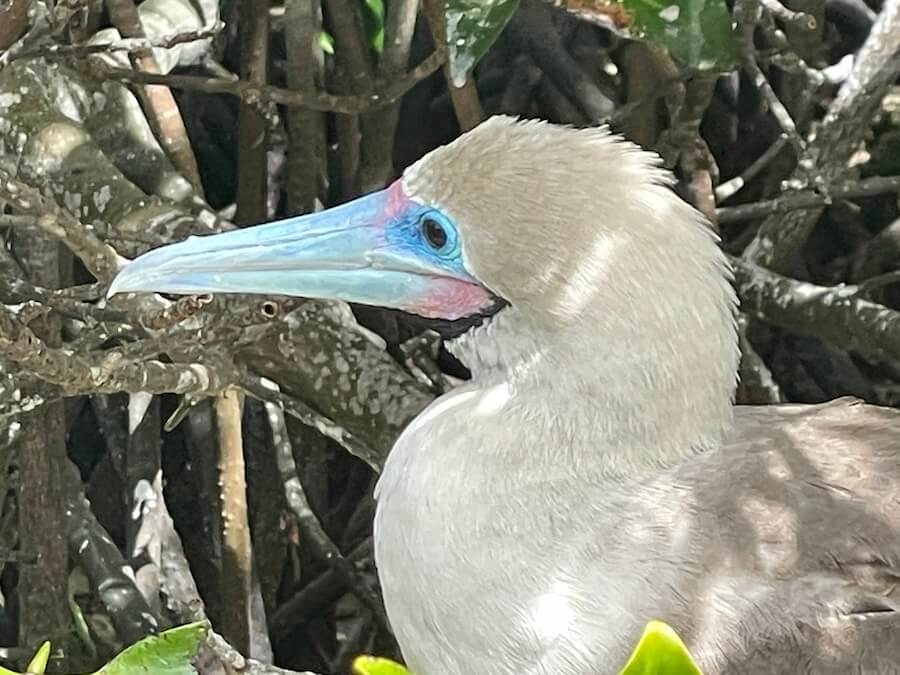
(434, 233)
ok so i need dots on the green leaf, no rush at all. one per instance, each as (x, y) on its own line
(326, 42)
(373, 665)
(373, 22)
(697, 33)
(660, 652)
(472, 27)
(168, 653)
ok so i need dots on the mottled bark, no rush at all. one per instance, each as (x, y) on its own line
(372, 397)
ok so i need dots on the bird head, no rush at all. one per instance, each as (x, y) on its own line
(562, 228)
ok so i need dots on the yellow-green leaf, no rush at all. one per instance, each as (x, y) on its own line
(373, 665)
(38, 663)
(168, 653)
(660, 652)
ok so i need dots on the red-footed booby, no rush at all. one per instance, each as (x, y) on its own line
(593, 474)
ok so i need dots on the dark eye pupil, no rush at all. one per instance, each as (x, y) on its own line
(434, 233)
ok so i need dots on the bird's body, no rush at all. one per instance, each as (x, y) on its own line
(776, 555)
(593, 475)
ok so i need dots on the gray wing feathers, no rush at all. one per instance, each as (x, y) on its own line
(800, 541)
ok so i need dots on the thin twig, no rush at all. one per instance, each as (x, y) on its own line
(252, 93)
(731, 187)
(873, 284)
(70, 302)
(126, 44)
(109, 372)
(237, 553)
(747, 14)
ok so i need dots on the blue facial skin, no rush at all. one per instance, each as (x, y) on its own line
(374, 250)
(409, 233)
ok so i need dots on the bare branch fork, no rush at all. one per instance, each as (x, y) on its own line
(875, 68)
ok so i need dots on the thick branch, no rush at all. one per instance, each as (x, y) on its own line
(839, 314)
(158, 102)
(380, 126)
(306, 130)
(809, 199)
(98, 257)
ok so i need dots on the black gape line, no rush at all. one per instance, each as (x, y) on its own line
(450, 329)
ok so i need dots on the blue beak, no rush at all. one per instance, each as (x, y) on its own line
(351, 252)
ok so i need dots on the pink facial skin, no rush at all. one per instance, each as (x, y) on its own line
(452, 299)
(397, 202)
